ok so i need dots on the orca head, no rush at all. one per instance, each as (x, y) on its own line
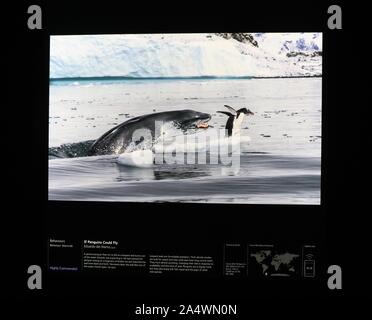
(191, 119)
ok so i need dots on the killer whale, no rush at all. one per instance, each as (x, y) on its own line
(145, 129)
(235, 119)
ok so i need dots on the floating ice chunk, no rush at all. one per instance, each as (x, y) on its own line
(138, 158)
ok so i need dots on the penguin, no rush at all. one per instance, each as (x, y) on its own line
(235, 119)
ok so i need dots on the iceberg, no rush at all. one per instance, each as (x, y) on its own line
(185, 55)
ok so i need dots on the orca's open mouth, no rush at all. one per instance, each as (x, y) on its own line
(199, 122)
(202, 124)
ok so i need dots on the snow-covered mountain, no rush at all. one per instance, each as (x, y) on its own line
(284, 43)
(186, 55)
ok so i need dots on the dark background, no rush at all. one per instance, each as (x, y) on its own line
(338, 226)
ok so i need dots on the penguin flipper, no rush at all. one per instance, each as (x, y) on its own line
(231, 109)
(226, 113)
(229, 123)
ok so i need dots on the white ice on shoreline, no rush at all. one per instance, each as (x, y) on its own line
(185, 55)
